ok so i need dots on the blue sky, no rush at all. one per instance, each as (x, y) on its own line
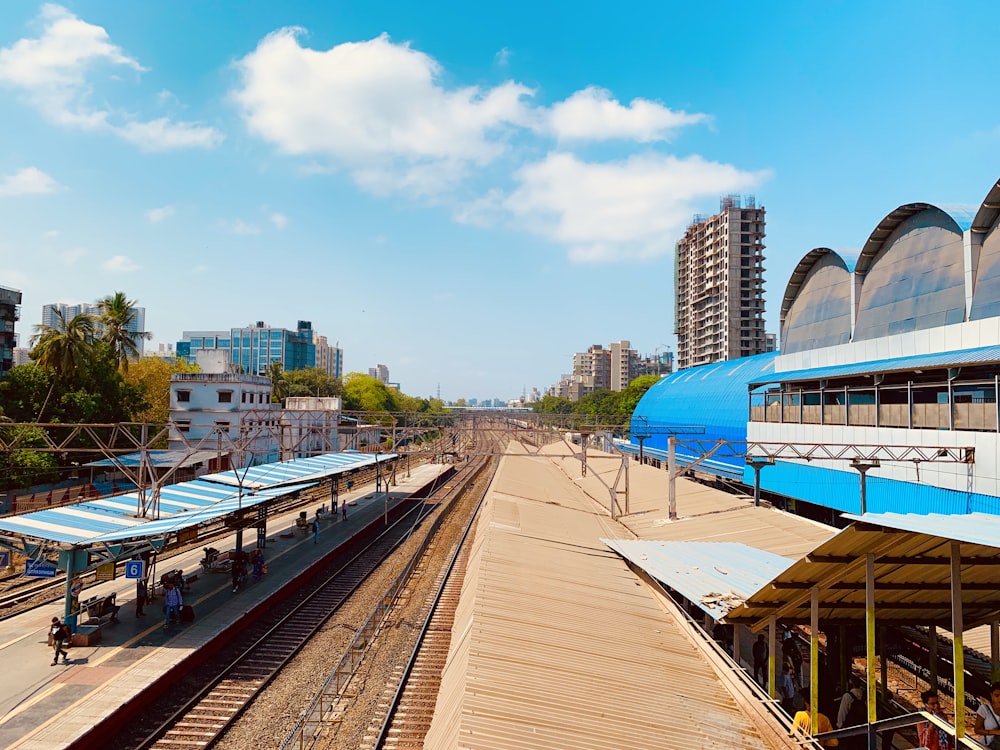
(466, 193)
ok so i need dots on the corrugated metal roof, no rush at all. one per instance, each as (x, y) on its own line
(974, 528)
(114, 519)
(984, 355)
(912, 574)
(716, 576)
(158, 459)
(556, 646)
(298, 470)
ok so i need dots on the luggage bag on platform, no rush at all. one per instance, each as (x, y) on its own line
(187, 613)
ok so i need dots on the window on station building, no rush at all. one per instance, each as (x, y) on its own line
(183, 396)
(183, 425)
(225, 397)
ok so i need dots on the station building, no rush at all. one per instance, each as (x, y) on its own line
(898, 345)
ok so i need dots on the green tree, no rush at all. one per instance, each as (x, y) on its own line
(150, 376)
(311, 381)
(63, 348)
(117, 314)
(23, 390)
(24, 467)
(364, 393)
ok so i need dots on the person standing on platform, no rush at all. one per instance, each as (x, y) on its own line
(853, 712)
(802, 723)
(60, 636)
(928, 735)
(315, 529)
(988, 717)
(140, 597)
(786, 689)
(173, 602)
(760, 653)
(343, 510)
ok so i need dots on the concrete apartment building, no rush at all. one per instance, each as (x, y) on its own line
(216, 402)
(135, 327)
(600, 369)
(10, 313)
(719, 285)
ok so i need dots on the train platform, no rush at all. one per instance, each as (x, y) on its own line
(45, 707)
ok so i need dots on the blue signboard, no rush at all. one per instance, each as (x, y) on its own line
(39, 569)
(133, 569)
(4, 559)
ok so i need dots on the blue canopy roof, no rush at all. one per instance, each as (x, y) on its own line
(983, 355)
(157, 458)
(298, 470)
(114, 518)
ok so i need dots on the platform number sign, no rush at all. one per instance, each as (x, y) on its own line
(4, 559)
(133, 569)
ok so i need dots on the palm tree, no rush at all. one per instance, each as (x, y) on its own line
(117, 314)
(63, 348)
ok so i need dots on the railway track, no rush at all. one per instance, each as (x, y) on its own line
(198, 720)
(409, 714)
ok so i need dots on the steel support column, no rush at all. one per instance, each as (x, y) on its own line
(957, 628)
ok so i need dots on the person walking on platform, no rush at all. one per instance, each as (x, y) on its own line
(60, 636)
(315, 529)
(140, 597)
(343, 510)
(173, 602)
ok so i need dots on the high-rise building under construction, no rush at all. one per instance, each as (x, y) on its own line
(719, 285)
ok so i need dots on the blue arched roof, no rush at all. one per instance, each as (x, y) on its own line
(710, 396)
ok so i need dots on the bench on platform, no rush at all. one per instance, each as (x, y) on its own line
(100, 610)
(86, 635)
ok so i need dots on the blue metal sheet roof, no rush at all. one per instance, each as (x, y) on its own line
(710, 396)
(984, 355)
(716, 576)
(974, 528)
(178, 521)
(160, 458)
(297, 470)
(108, 519)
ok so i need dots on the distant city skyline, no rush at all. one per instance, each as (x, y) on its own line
(460, 193)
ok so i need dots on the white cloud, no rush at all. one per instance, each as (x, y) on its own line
(240, 227)
(156, 215)
(502, 58)
(56, 74)
(51, 234)
(200, 269)
(120, 264)
(377, 108)
(631, 209)
(382, 113)
(28, 181)
(279, 220)
(163, 135)
(73, 255)
(592, 114)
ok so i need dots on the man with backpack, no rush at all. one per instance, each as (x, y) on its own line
(853, 712)
(60, 636)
